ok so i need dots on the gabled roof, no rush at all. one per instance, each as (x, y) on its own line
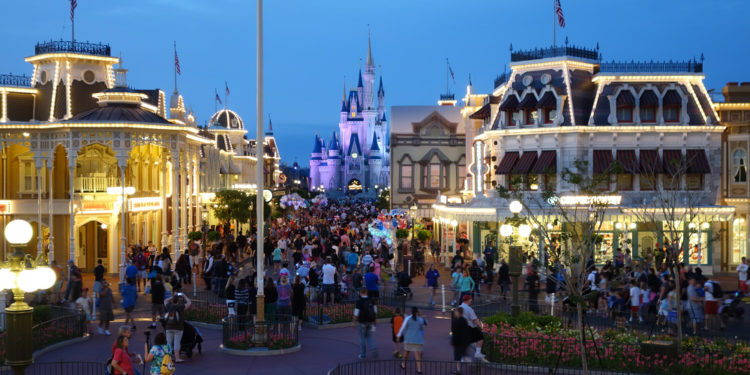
(374, 146)
(354, 145)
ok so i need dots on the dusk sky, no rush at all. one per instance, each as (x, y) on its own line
(311, 46)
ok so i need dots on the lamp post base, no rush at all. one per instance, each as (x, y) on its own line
(19, 337)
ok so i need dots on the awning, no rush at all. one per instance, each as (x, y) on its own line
(506, 165)
(233, 169)
(528, 102)
(649, 99)
(625, 99)
(510, 103)
(628, 161)
(548, 100)
(673, 160)
(527, 161)
(602, 161)
(650, 162)
(697, 162)
(547, 163)
(482, 113)
(671, 98)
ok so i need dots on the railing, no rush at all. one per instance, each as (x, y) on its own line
(319, 314)
(58, 330)
(95, 184)
(501, 79)
(15, 80)
(56, 368)
(239, 333)
(652, 67)
(447, 97)
(543, 53)
(393, 367)
(87, 48)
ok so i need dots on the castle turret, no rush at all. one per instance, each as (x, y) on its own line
(381, 101)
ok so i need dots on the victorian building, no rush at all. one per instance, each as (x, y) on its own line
(357, 157)
(96, 165)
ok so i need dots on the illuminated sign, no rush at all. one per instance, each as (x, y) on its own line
(4, 207)
(144, 204)
(584, 200)
(93, 207)
(355, 185)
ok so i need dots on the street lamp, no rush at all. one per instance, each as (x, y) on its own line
(22, 274)
(514, 251)
(413, 213)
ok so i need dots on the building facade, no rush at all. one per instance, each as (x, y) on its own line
(562, 108)
(357, 157)
(96, 166)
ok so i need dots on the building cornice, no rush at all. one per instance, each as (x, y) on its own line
(488, 134)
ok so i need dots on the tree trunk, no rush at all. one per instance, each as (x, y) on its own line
(678, 290)
(582, 337)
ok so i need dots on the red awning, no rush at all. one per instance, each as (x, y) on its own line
(628, 161)
(527, 161)
(602, 161)
(547, 163)
(650, 162)
(697, 162)
(506, 165)
(673, 161)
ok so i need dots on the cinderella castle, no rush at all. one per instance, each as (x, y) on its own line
(357, 157)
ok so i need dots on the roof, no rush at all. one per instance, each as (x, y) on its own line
(318, 147)
(227, 119)
(120, 113)
(334, 144)
(354, 145)
(374, 146)
(402, 117)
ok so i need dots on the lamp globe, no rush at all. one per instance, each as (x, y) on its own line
(515, 207)
(506, 230)
(18, 232)
(27, 281)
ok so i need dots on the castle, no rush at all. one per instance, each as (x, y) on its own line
(357, 157)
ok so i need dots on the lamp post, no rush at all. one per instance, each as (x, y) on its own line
(413, 213)
(454, 224)
(514, 252)
(22, 274)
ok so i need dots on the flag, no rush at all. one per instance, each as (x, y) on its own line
(218, 99)
(226, 87)
(177, 63)
(73, 5)
(453, 77)
(558, 10)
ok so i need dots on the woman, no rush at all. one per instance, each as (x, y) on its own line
(269, 289)
(284, 302)
(461, 336)
(298, 301)
(165, 263)
(412, 330)
(465, 285)
(121, 363)
(106, 315)
(158, 292)
(157, 353)
(182, 268)
(242, 296)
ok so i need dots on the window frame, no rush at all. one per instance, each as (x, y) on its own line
(700, 178)
(630, 109)
(676, 111)
(528, 116)
(737, 165)
(410, 177)
(547, 118)
(622, 184)
(651, 108)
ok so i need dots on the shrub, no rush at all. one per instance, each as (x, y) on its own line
(195, 236)
(525, 320)
(402, 233)
(213, 236)
(424, 235)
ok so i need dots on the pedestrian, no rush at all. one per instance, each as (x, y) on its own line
(461, 337)
(397, 320)
(129, 296)
(208, 269)
(533, 280)
(476, 325)
(157, 353)
(272, 296)
(412, 330)
(73, 289)
(635, 301)
(175, 321)
(503, 278)
(742, 269)
(106, 315)
(329, 281)
(242, 296)
(121, 363)
(371, 284)
(365, 313)
(695, 303)
(456, 282)
(299, 303)
(140, 261)
(157, 300)
(466, 284)
(713, 296)
(182, 269)
(284, 303)
(432, 276)
(99, 271)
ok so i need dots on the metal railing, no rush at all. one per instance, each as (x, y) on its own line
(319, 314)
(15, 80)
(690, 66)
(239, 333)
(393, 367)
(59, 329)
(501, 79)
(95, 184)
(87, 48)
(56, 368)
(543, 53)
(447, 97)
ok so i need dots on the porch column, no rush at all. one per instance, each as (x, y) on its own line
(175, 204)
(51, 248)
(163, 194)
(122, 163)
(183, 199)
(198, 198)
(71, 208)
(39, 163)
(191, 190)
(4, 107)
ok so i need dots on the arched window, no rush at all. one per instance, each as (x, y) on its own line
(625, 105)
(671, 106)
(739, 166)
(406, 174)
(648, 104)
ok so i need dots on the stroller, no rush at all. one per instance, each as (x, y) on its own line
(191, 337)
(731, 308)
(404, 280)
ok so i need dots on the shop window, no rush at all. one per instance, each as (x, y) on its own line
(671, 113)
(647, 182)
(460, 176)
(694, 181)
(624, 181)
(532, 182)
(739, 239)
(739, 167)
(671, 182)
(625, 113)
(602, 182)
(698, 255)
(550, 181)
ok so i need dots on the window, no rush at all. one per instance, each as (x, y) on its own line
(549, 115)
(671, 182)
(602, 182)
(407, 177)
(434, 177)
(648, 114)
(624, 181)
(739, 167)
(27, 182)
(532, 182)
(517, 118)
(550, 181)
(739, 239)
(510, 118)
(531, 116)
(647, 181)
(460, 175)
(625, 114)
(671, 114)
(694, 181)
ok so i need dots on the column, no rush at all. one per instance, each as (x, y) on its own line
(71, 209)
(39, 169)
(175, 213)
(4, 107)
(198, 198)
(163, 194)
(183, 200)
(190, 191)
(50, 166)
(122, 163)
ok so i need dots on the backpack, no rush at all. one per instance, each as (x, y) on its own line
(367, 315)
(597, 278)
(172, 317)
(167, 366)
(108, 366)
(717, 292)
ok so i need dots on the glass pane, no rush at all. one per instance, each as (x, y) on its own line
(698, 255)
(434, 175)
(648, 114)
(671, 114)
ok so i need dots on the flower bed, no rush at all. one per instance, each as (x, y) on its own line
(339, 313)
(238, 335)
(206, 313)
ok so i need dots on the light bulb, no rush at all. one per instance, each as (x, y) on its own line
(515, 207)
(7, 279)
(506, 230)
(524, 230)
(27, 281)
(18, 232)
(706, 225)
(633, 225)
(618, 226)
(46, 277)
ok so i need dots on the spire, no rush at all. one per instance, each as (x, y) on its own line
(380, 87)
(270, 126)
(374, 146)
(343, 95)
(359, 84)
(317, 148)
(370, 61)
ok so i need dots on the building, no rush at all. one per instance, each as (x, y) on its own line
(562, 105)
(429, 158)
(734, 113)
(357, 157)
(95, 165)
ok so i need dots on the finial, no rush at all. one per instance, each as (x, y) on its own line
(270, 124)
(702, 57)
(370, 61)
(120, 62)
(511, 47)
(597, 46)
(566, 40)
(469, 79)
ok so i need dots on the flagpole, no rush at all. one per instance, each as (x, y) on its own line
(260, 333)
(72, 28)
(554, 26)
(216, 107)
(447, 66)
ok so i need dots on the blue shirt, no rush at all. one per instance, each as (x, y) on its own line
(353, 258)
(131, 271)
(432, 277)
(371, 281)
(129, 295)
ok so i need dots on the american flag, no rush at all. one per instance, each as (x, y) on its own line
(218, 99)
(453, 77)
(73, 5)
(226, 87)
(558, 10)
(177, 63)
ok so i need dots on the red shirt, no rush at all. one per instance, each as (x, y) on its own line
(123, 360)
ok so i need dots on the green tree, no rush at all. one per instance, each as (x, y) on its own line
(232, 205)
(252, 213)
(384, 200)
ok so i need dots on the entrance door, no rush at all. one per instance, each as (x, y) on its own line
(92, 240)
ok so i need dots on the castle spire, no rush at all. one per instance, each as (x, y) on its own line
(359, 83)
(370, 61)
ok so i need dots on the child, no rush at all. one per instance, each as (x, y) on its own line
(456, 276)
(644, 293)
(635, 300)
(83, 303)
(398, 342)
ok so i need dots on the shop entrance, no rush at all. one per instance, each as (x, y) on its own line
(92, 242)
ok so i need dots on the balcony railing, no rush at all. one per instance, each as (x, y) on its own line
(15, 80)
(85, 48)
(447, 97)
(543, 53)
(690, 66)
(501, 79)
(95, 184)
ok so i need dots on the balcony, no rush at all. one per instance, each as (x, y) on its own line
(544, 53)
(62, 46)
(94, 184)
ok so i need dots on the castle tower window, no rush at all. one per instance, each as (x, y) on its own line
(625, 105)
(648, 104)
(671, 106)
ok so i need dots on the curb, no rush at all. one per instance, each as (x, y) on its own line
(260, 352)
(59, 345)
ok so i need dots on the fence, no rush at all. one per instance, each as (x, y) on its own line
(56, 368)
(318, 314)
(239, 333)
(393, 367)
(59, 329)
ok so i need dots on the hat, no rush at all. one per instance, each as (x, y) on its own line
(466, 297)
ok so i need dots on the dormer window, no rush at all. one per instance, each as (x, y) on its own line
(625, 106)
(549, 115)
(671, 106)
(530, 115)
(648, 104)
(509, 108)
(548, 105)
(528, 106)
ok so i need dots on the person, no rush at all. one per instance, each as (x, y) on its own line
(157, 300)
(106, 315)
(298, 301)
(412, 330)
(365, 313)
(461, 336)
(503, 278)
(371, 284)
(129, 295)
(73, 289)
(635, 300)
(276, 259)
(397, 321)
(432, 276)
(99, 271)
(475, 324)
(140, 261)
(466, 284)
(175, 321)
(695, 303)
(329, 280)
(242, 296)
(713, 300)
(156, 354)
(742, 269)
(83, 303)
(121, 362)
(229, 293)
(476, 275)
(182, 268)
(490, 255)
(285, 297)
(208, 269)
(272, 296)
(533, 280)
(645, 301)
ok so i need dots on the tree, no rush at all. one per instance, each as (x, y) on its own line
(233, 205)
(253, 212)
(384, 200)
(424, 235)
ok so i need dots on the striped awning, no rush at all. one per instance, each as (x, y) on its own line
(673, 161)
(510, 103)
(602, 161)
(482, 113)
(506, 165)
(649, 99)
(650, 162)
(547, 163)
(548, 100)
(671, 98)
(697, 162)
(628, 161)
(625, 99)
(527, 161)
(528, 102)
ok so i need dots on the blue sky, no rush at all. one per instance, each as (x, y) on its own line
(311, 46)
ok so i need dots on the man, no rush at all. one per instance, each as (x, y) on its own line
(371, 284)
(742, 275)
(175, 320)
(475, 323)
(713, 298)
(695, 303)
(365, 313)
(490, 255)
(98, 278)
(194, 251)
(142, 275)
(208, 269)
(329, 280)
(73, 290)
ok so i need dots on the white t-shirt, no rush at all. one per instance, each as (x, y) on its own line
(85, 305)
(328, 273)
(709, 288)
(742, 271)
(644, 296)
(592, 281)
(635, 296)
(469, 314)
